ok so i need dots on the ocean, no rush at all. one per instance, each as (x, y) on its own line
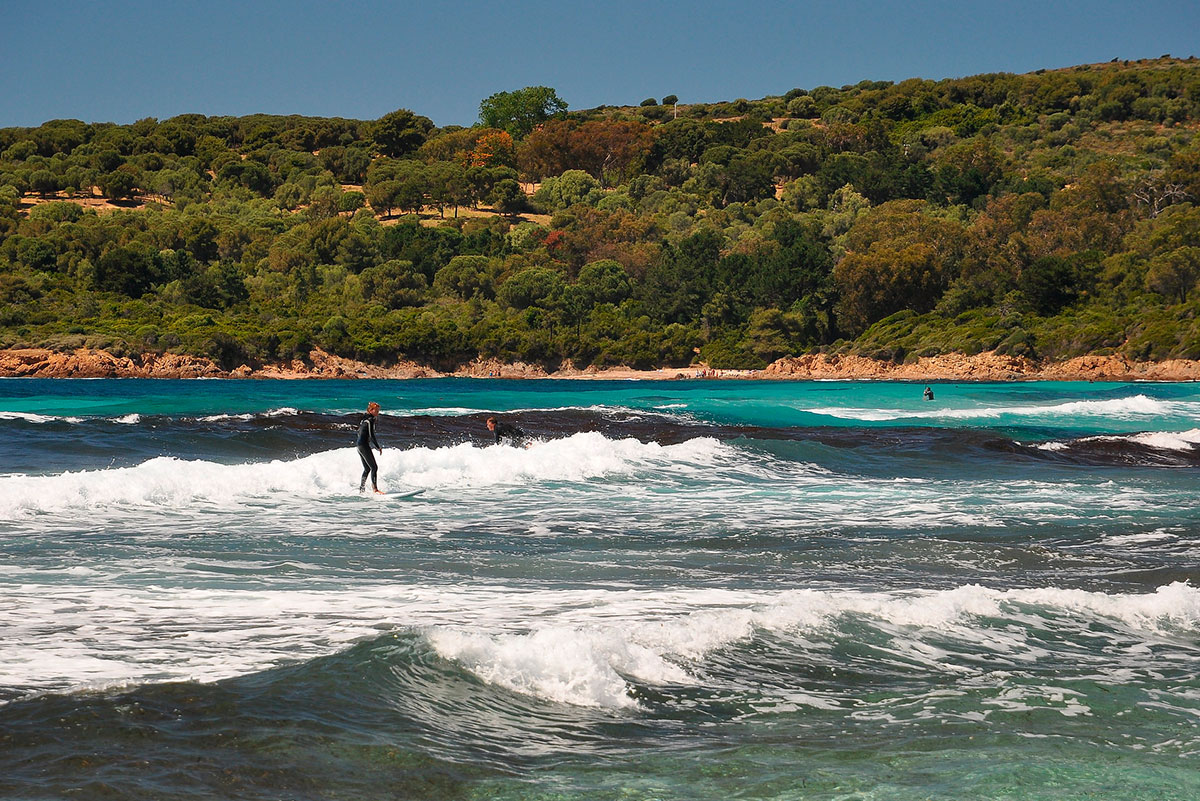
(679, 590)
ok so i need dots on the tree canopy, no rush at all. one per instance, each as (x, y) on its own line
(1050, 214)
(519, 111)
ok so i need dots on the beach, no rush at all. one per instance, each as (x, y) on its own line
(90, 363)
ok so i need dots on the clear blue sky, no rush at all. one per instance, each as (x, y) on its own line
(121, 60)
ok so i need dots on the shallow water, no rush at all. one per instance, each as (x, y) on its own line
(775, 590)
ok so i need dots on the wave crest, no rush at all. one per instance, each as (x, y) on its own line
(583, 647)
(173, 483)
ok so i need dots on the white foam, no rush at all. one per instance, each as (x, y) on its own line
(573, 646)
(129, 419)
(280, 412)
(175, 483)
(1163, 440)
(1132, 408)
(30, 417)
(582, 667)
(1158, 535)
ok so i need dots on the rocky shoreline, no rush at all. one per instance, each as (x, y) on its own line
(87, 363)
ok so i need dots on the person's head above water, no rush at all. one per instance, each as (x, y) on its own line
(372, 408)
(491, 423)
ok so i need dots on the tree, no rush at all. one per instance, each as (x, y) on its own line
(412, 182)
(800, 266)
(1054, 282)
(348, 164)
(676, 288)
(411, 196)
(1175, 274)
(447, 186)
(603, 281)
(508, 198)
(897, 258)
(1156, 193)
(127, 270)
(533, 286)
(249, 173)
(493, 149)
(383, 196)
(401, 132)
(519, 111)
(119, 184)
(43, 182)
(567, 189)
(393, 284)
(465, 277)
(351, 201)
(605, 149)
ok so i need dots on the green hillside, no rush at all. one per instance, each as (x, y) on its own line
(1050, 214)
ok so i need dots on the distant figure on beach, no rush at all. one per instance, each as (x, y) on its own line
(928, 393)
(508, 431)
(366, 439)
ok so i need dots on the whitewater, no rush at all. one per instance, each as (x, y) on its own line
(679, 589)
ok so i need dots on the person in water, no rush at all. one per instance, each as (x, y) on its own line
(508, 431)
(928, 393)
(366, 439)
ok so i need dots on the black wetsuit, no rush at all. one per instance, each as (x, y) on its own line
(366, 439)
(510, 432)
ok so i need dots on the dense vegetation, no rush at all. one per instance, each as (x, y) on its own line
(1049, 214)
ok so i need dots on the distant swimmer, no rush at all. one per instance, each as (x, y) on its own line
(928, 393)
(366, 439)
(507, 431)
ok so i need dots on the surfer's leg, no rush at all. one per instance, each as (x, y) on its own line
(369, 468)
(369, 459)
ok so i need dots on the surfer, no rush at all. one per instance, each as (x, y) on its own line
(366, 439)
(507, 431)
(928, 393)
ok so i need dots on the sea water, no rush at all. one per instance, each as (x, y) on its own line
(678, 590)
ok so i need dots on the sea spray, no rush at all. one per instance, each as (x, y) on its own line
(682, 589)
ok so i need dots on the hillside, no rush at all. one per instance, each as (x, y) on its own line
(1046, 216)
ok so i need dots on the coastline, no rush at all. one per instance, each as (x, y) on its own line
(88, 363)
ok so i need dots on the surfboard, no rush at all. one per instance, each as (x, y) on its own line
(400, 496)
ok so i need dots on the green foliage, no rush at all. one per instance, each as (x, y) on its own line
(603, 281)
(563, 191)
(1049, 214)
(465, 277)
(533, 286)
(401, 132)
(507, 198)
(1174, 274)
(519, 111)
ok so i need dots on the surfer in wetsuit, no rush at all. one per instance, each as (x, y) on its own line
(366, 439)
(928, 393)
(506, 431)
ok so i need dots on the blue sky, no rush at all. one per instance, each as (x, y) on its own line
(119, 60)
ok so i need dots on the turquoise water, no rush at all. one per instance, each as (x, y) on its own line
(680, 589)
